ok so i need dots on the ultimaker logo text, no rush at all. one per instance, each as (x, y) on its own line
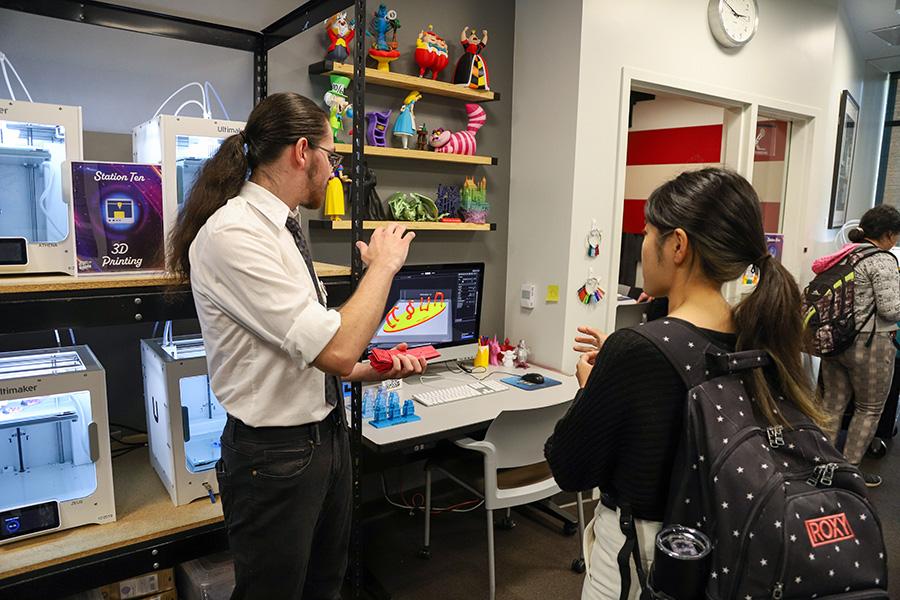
(18, 390)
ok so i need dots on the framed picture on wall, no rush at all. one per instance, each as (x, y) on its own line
(848, 124)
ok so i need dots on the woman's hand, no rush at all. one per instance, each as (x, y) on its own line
(584, 367)
(591, 339)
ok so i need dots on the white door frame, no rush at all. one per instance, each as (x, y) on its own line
(742, 109)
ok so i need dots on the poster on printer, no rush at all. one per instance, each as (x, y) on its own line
(118, 217)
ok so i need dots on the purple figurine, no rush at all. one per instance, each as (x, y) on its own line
(376, 131)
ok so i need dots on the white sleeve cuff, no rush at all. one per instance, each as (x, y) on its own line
(312, 330)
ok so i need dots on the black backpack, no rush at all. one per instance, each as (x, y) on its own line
(787, 515)
(828, 305)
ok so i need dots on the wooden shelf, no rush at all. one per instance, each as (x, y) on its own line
(67, 283)
(412, 225)
(420, 155)
(143, 512)
(406, 82)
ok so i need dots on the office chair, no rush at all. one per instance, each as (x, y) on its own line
(515, 472)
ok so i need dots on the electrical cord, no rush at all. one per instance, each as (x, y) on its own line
(4, 62)
(435, 510)
(205, 104)
(219, 100)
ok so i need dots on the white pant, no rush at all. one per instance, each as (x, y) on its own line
(603, 538)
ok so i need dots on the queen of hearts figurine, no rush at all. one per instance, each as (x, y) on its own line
(471, 70)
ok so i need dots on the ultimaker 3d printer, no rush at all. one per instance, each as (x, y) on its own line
(184, 418)
(55, 465)
(37, 230)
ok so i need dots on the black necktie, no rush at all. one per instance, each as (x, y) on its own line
(332, 386)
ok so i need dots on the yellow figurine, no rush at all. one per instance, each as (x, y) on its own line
(334, 195)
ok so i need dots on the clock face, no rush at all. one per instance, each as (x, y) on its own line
(733, 22)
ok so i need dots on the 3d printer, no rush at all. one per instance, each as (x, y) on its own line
(184, 419)
(181, 145)
(55, 465)
(37, 233)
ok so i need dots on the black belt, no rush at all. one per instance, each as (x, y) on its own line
(289, 433)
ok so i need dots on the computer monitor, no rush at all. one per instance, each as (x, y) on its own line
(437, 305)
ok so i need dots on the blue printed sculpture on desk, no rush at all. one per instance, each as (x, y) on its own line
(386, 410)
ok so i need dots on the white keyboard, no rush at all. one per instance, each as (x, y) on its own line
(459, 392)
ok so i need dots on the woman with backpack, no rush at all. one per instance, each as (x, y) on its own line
(623, 431)
(864, 371)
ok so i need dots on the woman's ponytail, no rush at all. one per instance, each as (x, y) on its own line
(769, 319)
(720, 212)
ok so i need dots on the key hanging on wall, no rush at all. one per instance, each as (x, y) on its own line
(594, 238)
(591, 292)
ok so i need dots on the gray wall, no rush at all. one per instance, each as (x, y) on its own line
(288, 72)
(120, 78)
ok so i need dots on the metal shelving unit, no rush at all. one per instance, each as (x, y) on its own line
(34, 305)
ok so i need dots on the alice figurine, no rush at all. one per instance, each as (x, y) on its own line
(471, 70)
(405, 125)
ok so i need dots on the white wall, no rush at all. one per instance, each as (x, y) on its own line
(545, 90)
(795, 58)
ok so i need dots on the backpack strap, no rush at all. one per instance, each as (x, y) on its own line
(630, 551)
(864, 252)
(693, 356)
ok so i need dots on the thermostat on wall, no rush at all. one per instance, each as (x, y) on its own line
(528, 294)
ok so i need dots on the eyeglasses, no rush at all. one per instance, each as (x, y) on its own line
(334, 159)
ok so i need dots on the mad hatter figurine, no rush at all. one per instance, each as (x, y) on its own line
(336, 99)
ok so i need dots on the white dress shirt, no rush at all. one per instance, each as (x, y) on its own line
(262, 323)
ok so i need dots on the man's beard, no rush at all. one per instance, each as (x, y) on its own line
(316, 193)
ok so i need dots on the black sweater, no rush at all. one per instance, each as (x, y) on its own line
(622, 431)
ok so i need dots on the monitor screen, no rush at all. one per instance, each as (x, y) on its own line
(437, 305)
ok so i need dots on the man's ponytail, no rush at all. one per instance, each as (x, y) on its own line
(277, 122)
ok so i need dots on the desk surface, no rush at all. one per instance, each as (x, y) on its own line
(144, 512)
(454, 419)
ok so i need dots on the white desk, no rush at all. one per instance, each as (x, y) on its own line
(456, 419)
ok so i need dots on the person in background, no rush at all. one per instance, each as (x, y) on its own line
(864, 371)
(274, 349)
(622, 432)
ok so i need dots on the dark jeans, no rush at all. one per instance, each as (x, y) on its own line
(287, 497)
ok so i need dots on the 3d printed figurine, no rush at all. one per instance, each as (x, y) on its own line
(382, 51)
(522, 353)
(376, 130)
(336, 99)
(431, 53)
(340, 33)
(473, 203)
(471, 70)
(448, 199)
(405, 125)
(460, 142)
(334, 194)
(422, 139)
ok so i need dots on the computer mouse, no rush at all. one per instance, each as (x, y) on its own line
(535, 378)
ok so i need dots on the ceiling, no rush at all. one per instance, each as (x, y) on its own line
(866, 15)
